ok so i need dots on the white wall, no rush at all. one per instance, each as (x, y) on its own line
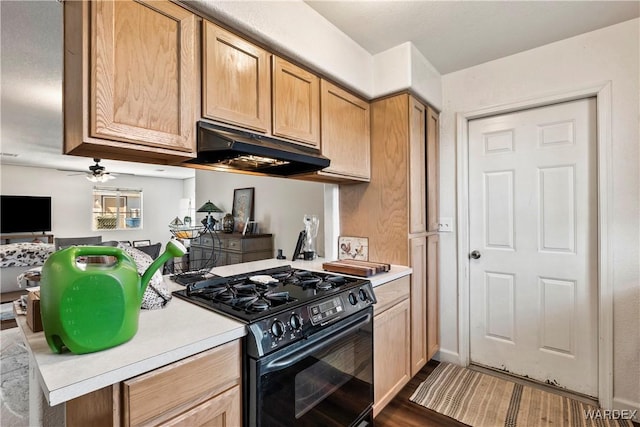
(71, 201)
(609, 54)
(297, 30)
(403, 67)
(279, 203)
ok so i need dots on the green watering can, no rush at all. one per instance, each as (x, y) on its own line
(91, 307)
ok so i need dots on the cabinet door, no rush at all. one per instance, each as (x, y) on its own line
(432, 169)
(196, 255)
(234, 258)
(417, 160)
(143, 73)
(433, 324)
(345, 133)
(221, 258)
(391, 357)
(163, 394)
(236, 85)
(208, 257)
(296, 103)
(418, 304)
(220, 411)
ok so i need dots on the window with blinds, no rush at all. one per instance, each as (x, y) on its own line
(116, 209)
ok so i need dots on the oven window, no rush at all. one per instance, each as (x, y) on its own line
(332, 386)
(324, 377)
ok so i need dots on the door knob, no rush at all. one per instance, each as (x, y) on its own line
(475, 254)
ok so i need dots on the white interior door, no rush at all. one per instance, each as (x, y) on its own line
(533, 241)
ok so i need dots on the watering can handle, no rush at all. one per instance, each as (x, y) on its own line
(97, 251)
(173, 249)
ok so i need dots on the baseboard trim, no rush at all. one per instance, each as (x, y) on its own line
(448, 356)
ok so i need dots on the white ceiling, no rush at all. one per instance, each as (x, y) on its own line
(454, 35)
(451, 34)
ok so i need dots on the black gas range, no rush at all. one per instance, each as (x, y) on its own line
(287, 303)
(308, 354)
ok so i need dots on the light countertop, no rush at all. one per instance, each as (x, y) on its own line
(164, 336)
(179, 330)
(396, 272)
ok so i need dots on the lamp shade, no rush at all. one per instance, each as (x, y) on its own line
(209, 207)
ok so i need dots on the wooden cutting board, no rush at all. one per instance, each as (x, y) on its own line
(355, 267)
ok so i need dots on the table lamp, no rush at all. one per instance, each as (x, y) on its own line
(209, 222)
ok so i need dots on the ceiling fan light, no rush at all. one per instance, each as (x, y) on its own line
(100, 178)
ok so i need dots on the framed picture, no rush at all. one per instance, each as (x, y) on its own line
(242, 207)
(353, 248)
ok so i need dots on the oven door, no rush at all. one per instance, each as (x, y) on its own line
(325, 380)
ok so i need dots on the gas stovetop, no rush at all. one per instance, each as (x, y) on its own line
(282, 305)
(257, 295)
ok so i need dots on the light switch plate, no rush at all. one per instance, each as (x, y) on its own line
(445, 225)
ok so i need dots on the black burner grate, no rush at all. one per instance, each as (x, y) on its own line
(277, 289)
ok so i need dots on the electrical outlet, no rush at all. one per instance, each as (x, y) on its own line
(445, 225)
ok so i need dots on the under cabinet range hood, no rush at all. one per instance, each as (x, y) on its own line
(238, 151)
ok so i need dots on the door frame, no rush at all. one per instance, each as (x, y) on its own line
(604, 183)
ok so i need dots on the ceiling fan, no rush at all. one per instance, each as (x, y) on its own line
(97, 173)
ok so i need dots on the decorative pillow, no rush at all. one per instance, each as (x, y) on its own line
(157, 295)
(25, 254)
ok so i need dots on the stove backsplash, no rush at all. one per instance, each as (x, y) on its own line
(280, 205)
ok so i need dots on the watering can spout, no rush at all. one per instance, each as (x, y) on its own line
(174, 249)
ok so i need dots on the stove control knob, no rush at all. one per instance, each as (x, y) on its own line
(277, 328)
(352, 298)
(295, 321)
(363, 295)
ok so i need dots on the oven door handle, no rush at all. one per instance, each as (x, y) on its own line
(285, 362)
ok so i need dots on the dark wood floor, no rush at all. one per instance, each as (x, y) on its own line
(401, 412)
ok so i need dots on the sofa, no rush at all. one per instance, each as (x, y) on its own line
(16, 258)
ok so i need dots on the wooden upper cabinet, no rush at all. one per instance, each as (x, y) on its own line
(433, 161)
(295, 103)
(236, 86)
(417, 160)
(130, 80)
(379, 210)
(346, 138)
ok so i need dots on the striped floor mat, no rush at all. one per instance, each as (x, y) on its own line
(481, 400)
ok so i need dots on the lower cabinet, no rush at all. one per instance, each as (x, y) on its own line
(222, 410)
(433, 324)
(177, 394)
(419, 306)
(391, 341)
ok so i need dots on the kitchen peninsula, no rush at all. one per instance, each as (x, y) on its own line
(173, 337)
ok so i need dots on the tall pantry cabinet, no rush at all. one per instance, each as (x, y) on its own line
(397, 212)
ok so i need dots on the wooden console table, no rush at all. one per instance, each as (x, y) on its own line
(6, 238)
(232, 248)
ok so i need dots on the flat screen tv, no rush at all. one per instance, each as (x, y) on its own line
(25, 214)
